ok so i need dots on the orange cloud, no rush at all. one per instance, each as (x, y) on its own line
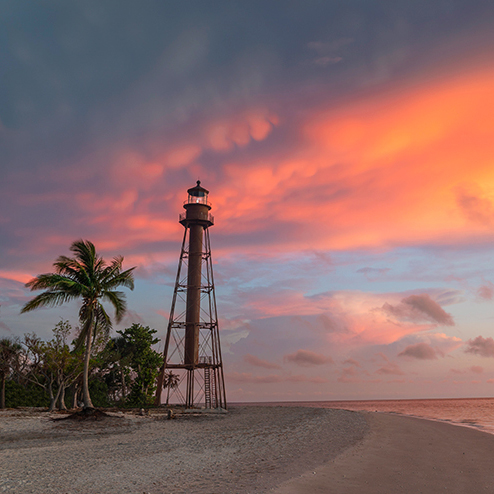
(223, 134)
(407, 166)
(16, 276)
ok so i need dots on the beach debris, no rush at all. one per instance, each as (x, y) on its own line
(85, 414)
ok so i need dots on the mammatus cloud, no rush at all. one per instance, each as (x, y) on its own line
(417, 308)
(257, 362)
(481, 346)
(307, 358)
(421, 351)
(327, 52)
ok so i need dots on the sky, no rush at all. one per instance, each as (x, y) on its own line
(347, 147)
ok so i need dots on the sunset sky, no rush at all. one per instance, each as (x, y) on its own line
(348, 147)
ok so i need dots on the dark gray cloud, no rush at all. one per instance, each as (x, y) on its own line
(419, 308)
(481, 346)
(420, 351)
(307, 358)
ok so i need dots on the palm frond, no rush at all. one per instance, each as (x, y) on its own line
(125, 278)
(49, 299)
(58, 283)
(103, 320)
(117, 299)
(112, 269)
(85, 252)
(71, 268)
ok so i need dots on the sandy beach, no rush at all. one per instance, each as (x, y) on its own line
(251, 449)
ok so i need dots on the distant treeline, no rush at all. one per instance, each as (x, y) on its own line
(123, 370)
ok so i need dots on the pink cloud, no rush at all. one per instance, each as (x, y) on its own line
(16, 276)
(486, 292)
(390, 368)
(349, 375)
(477, 369)
(257, 362)
(248, 377)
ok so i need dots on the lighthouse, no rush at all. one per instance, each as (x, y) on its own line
(192, 346)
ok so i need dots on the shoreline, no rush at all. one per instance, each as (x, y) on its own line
(408, 455)
(452, 414)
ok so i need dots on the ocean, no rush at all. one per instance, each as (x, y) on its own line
(476, 413)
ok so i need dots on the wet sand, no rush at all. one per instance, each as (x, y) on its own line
(405, 455)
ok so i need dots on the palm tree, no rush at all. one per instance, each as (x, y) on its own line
(10, 351)
(170, 381)
(89, 277)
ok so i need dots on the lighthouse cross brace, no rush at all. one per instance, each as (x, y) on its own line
(192, 343)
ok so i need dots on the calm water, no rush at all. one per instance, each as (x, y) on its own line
(469, 412)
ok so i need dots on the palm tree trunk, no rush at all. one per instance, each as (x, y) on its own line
(86, 398)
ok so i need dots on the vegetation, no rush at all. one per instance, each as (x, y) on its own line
(9, 359)
(170, 381)
(88, 277)
(122, 370)
(144, 363)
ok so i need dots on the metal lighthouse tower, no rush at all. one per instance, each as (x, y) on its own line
(192, 345)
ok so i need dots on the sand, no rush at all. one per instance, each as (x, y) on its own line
(247, 450)
(280, 450)
(406, 455)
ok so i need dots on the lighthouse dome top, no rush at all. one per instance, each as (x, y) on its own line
(198, 194)
(198, 191)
